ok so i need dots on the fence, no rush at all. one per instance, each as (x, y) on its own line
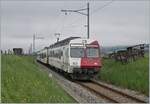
(129, 54)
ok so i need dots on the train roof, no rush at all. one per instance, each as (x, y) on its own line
(81, 40)
(59, 43)
(63, 42)
(69, 40)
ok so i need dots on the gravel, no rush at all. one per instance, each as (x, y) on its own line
(80, 94)
(127, 91)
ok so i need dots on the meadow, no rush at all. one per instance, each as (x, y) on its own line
(23, 82)
(133, 75)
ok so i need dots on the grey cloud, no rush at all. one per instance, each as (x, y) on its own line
(120, 23)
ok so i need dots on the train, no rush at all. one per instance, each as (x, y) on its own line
(77, 57)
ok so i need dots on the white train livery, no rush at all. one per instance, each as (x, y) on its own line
(79, 58)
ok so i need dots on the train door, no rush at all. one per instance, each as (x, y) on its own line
(47, 56)
(65, 58)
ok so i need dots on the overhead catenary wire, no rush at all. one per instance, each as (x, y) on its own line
(63, 24)
(91, 14)
(96, 10)
(101, 7)
(80, 11)
(56, 27)
(73, 21)
(59, 28)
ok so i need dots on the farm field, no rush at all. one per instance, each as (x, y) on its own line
(22, 81)
(133, 75)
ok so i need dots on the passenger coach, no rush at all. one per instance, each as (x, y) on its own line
(79, 58)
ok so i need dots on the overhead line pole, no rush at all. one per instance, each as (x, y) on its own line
(88, 20)
(34, 38)
(33, 43)
(87, 14)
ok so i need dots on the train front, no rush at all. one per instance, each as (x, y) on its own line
(85, 59)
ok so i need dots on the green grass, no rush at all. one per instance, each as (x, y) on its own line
(134, 75)
(23, 81)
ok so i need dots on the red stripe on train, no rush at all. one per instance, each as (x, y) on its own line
(91, 62)
(87, 62)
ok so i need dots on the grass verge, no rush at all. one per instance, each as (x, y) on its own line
(22, 81)
(134, 75)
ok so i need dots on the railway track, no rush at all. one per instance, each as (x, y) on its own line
(109, 94)
(80, 94)
(101, 91)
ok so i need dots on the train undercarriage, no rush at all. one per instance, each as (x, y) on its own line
(84, 73)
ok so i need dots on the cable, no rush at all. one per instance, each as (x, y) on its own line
(73, 21)
(63, 24)
(94, 11)
(56, 27)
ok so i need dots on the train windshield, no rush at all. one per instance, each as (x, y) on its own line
(77, 52)
(92, 52)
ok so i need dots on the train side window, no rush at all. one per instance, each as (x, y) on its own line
(53, 53)
(45, 55)
(66, 53)
(50, 53)
(61, 54)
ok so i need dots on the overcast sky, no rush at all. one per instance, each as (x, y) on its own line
(119, 23)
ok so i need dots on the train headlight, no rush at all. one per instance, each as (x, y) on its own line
(95, 63)
(74, 63)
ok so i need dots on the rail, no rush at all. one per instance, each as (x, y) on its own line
(110, 94)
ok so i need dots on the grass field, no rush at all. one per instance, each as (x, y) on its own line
(134, 75)
(22, 81)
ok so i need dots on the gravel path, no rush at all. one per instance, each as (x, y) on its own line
(80, 94)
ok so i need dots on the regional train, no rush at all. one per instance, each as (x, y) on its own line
(77, 57)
